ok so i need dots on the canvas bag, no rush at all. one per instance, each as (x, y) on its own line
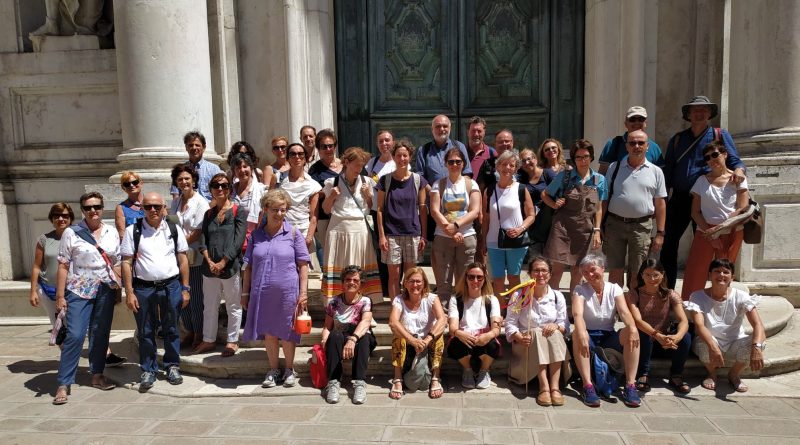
(418, 378)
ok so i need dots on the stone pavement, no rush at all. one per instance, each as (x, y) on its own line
(216, 411)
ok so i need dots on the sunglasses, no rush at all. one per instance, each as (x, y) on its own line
(279, 147)
(636, 119)
(96, 208)
(454, 162)
(296, 154)
(475, 277)
(636, 143)
(552, 148)
(60, 216)
(328, 146)
(153, 207)
(130, 184)
(526, 160)
(712, 155)
(219, 186)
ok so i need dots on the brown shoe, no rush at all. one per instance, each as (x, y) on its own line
(543, 399)
(204, 347)
(556, 397)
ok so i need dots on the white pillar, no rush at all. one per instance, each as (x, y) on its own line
(764, 116)
(163, 71)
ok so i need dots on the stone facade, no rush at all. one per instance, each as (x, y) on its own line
(252, 69)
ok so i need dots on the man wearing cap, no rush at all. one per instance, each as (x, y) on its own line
(615, 149)
(683, 164)
(636, 197)
(155, 272)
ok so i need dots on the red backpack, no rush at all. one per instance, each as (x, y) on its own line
(317, 366)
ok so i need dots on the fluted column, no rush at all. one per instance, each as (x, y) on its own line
(163, 71)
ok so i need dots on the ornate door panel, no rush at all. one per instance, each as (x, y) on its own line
(400, 62)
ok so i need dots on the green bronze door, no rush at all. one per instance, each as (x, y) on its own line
(516, 63)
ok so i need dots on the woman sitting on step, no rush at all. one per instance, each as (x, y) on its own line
(347, 335)
(417, 321)
(718, 312)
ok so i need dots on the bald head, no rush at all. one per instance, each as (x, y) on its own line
(636, 146)
(440, 127)
(154, 208)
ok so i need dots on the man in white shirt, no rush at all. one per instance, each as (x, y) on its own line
(155, 272)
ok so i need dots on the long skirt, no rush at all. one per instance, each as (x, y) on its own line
(542, 351)
(349, 242)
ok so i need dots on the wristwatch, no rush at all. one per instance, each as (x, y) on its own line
(186, 288)
(761, 346)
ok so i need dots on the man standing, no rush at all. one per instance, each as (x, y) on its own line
(636, 194)
(503, 141)
(155, 273)
(616, 150)
(430, 158)
(195, 144)
(308, 136)
(684, 163)
(480, 154)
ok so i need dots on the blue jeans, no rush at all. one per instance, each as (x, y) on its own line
(84, 315)
(169, 300)
(651, 348)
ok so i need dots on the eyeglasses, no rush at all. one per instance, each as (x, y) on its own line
(352, 280)
(582, 157)
(550, 148)
(130, 184)
(96, 208)
(149, 207)
(527, 160)
(540, 271)
(279, 147)
(328, 146)
(415, 282)
(712, 155)
(219, 186)
(454, 162)
(296, 154)
(277, 210)
(636, 143)
(652, 276)
(61, 216)
(475, 277)
(637, 119)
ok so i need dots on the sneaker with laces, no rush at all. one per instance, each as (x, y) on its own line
(630, 397)
(270, 379)
(174, 376)
(359, 392)
(590, 397)
(332, 391)
(289, 378)
(483, 380)
(148, 380)
(468, 379)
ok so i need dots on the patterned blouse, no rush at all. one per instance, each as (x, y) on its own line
(87, 268)
(347, 316)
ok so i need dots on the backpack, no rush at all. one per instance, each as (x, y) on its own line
(317, 365)
(605, 379)
(137, 236)
(418, 378)
(467, 184)
(387, 181)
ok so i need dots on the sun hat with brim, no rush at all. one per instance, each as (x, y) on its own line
(700, 100)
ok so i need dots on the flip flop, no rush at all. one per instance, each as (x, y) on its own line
(435, 391)
(680, 386)
(709, 383)
(739, 386)
(103, 385)
(394, 393)
(230, 350)
(61, 395)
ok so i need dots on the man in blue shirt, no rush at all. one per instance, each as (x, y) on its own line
(615, 151)
(430, 158)
(684, 163)
(195, 144)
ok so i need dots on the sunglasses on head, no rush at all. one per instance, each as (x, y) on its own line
(454, 162)
(712, 155)
(130, 184)
(153, 207)
(96, 208)
(219, 185)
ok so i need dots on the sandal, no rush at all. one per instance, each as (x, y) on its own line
(642, 385)
(543, 399)
(709, 383)
(203, 347)
(103, 384)
(436, 389)
(396, 394)
(738, 385)
(230, 349)
(556, 397)
(61, 395)
(677, 383)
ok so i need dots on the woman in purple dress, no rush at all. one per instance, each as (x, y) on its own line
(275, 276)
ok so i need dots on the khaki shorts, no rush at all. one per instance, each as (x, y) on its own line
(626, 239)
(738, 351)
(402, 249)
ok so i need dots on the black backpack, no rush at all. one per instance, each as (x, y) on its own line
(137, 236)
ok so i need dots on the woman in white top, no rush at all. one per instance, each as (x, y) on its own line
(190, 207)
(715, 198)
(246, 192)
(475, 320)
(717, 313)
(535, 326)
(417, 321)
(594, 304)
(455, 204)
(348, 198)
(85, 289)
(303, 191)
(504, 210)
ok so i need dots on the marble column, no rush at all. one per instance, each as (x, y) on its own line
(763, 113)
(163, 70)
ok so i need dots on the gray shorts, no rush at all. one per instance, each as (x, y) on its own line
(738, 351)
(402, 249)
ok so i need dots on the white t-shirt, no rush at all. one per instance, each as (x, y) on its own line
(156, 258)
(349, 206)
(419, 322)
(300, 192)
(510, 212)
(474, 320)
(598, 315)
(716, 203)
(376, 169)
(192, 218)
(723, 318)
(454, 204)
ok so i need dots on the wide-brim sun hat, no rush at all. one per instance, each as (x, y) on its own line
(699, 100)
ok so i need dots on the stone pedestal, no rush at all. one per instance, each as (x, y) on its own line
(46, 44)
(164, 83)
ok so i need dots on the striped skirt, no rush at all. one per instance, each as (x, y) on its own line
(349, 242)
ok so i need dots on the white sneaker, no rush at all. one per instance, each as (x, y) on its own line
(270, 379)
(483, 380)
(359, 392)
(332, 391)
(289, 378)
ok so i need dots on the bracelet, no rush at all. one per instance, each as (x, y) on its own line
(245, 294)
(595, 229)
(352, 337)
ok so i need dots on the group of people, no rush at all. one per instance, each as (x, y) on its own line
(250, 237)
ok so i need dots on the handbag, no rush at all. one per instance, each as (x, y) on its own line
(419, 376)
(302, 323)
(59, 331)
(317, 365)
(753, 228)
(503, 240)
